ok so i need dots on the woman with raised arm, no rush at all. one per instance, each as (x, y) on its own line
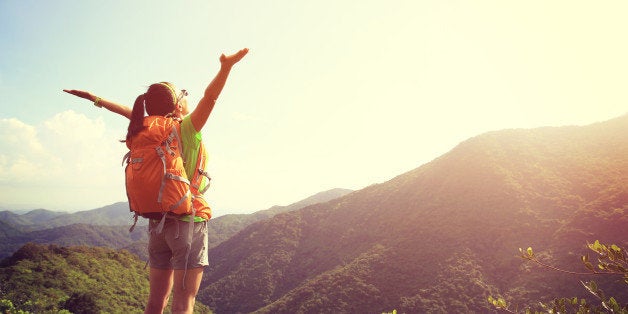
(167, 253)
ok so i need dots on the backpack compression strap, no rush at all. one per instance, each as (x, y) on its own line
(170, 176)
(197, 178)
(204, 173)
(174, 135)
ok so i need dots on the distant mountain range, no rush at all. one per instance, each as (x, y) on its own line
(442, 237)
(112, 215)
(109, 225)
(224, 227)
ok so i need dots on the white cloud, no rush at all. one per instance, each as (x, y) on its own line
(69, 122)
(14, 131)
(42, 164)
(22, 154)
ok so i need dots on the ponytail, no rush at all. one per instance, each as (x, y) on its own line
(137, 118)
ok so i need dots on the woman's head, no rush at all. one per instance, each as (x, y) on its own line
(159, 100)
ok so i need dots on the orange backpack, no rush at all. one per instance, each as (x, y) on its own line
(156, 182)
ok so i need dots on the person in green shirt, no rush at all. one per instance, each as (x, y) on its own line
(167, 265)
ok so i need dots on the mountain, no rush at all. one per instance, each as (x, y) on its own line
(320, 197)
(108, 226)
(76, 234)
(442, 237)
(78, 279)
(12, 218)
(60, 266)
(116, 214)
(37, 215)
(7, 231)
(224, 227)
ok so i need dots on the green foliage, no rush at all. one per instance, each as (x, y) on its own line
(261, 270)
(460, 279)
(499, 303)
(564, 305)
(611, 261)
(6, 307)
(347, 288)
(49, 278)
(53, 279)
(82, 303)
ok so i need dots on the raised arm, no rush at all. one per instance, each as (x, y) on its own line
(101, 102)
(206, 104)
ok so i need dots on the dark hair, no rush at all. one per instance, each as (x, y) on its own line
(136, 125)
(159, 100)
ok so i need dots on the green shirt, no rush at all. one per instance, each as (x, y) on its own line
(191, 141)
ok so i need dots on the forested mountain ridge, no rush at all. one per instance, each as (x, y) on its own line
(76, 234)
(224, 227)
(108, 226)
(441, 237)
(28, 218)
(54, 271)
(116, 214)
(80, 279)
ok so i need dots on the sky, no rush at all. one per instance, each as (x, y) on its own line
(333, 94)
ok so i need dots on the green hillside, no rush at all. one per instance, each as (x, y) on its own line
(442, 237)
(224, 227)
(108, 226)
(80, 279)
(76, 234)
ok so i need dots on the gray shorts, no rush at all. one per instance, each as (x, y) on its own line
(169, 249)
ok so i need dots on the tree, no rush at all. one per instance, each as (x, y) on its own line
(611, 260)
(82, 303)
(7, 307)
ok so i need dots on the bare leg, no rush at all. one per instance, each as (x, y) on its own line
(183, 299)
(160, 286)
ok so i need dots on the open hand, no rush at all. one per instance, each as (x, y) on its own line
(80, 93)
(234, 58)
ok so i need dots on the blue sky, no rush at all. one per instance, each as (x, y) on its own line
(332, 94)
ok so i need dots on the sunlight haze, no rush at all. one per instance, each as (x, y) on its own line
(333, 94)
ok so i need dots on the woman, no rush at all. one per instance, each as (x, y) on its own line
(167, 260)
